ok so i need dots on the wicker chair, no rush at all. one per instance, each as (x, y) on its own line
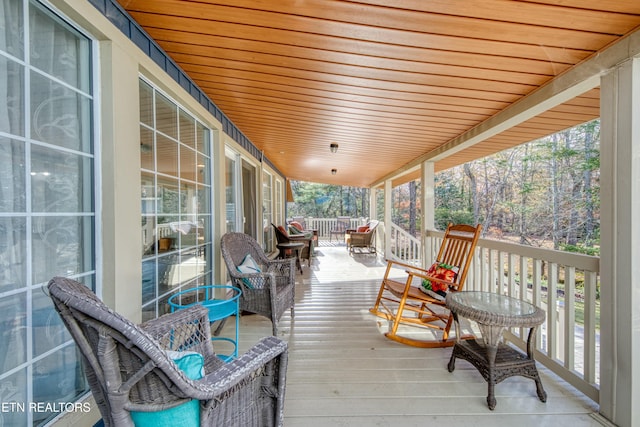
(306, 238)
(268, 293)
(300, 220)
(129, 369)
(298, 225)
(363, 239)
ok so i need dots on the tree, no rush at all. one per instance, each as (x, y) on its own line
(473, 191)
(592, 165)
(540, 192)
(413, 208)
(327, 201)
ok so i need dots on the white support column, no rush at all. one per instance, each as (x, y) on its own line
(428, 209)
(373, 214)
(620, 244)
(373, 208)
(387, 218)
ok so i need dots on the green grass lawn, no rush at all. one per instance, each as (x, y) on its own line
(580, 313)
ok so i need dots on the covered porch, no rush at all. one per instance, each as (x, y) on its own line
(601, 84)
(196, 117)
(344, 372)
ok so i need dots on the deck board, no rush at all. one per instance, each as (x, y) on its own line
(344, 372)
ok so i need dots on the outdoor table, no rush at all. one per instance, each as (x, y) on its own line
(219, 309)
(494, 359)
(295, 248)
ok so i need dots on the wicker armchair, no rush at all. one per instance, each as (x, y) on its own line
(269, 292)
(300, 220)
(282, 236)
(129, 369)
(364, 239)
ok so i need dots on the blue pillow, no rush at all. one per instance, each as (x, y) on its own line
(186, 414)
(248, 266)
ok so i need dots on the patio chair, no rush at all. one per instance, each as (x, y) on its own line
(298, 226)
(342, 224)
(300, 220)
(268, 286)
(306, 238)
(362, 237)
(418, 296)
(165, 371)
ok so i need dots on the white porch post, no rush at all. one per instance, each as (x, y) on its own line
(387, 218)
(620, 244)
(373, 214)
(428, 209)
(373, 208)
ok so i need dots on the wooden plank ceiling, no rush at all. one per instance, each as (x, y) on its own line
(388, 81)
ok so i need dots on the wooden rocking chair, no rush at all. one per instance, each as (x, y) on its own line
(404, 302)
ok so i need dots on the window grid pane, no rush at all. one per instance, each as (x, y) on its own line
(267, 216)
(176, 202)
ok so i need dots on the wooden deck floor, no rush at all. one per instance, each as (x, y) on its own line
(344, 372)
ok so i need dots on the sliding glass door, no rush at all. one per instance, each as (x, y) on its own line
(175, 154)
(47, 204)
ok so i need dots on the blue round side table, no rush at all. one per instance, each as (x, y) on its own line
(219, 309)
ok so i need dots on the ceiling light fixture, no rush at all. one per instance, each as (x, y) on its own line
(333, 147)
(334, 171)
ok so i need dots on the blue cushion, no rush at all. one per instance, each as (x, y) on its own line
(248, 266)
(185, 415)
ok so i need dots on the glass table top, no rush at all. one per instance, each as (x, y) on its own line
(494, 303)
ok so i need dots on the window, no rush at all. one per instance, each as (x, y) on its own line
(249, 197)
(240, 194)
(232, 193)
(267, 212)
(175, 154)
(279, 201)
(47, 208)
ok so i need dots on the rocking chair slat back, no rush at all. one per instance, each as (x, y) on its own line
(456, 249)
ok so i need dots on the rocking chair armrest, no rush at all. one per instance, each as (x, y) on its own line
(405, 265)
(231, 374)
(167, 322)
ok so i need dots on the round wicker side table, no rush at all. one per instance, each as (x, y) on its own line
(495, 360)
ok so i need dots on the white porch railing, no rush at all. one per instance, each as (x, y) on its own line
(569, 341)
(325, 225)
(404, 246)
